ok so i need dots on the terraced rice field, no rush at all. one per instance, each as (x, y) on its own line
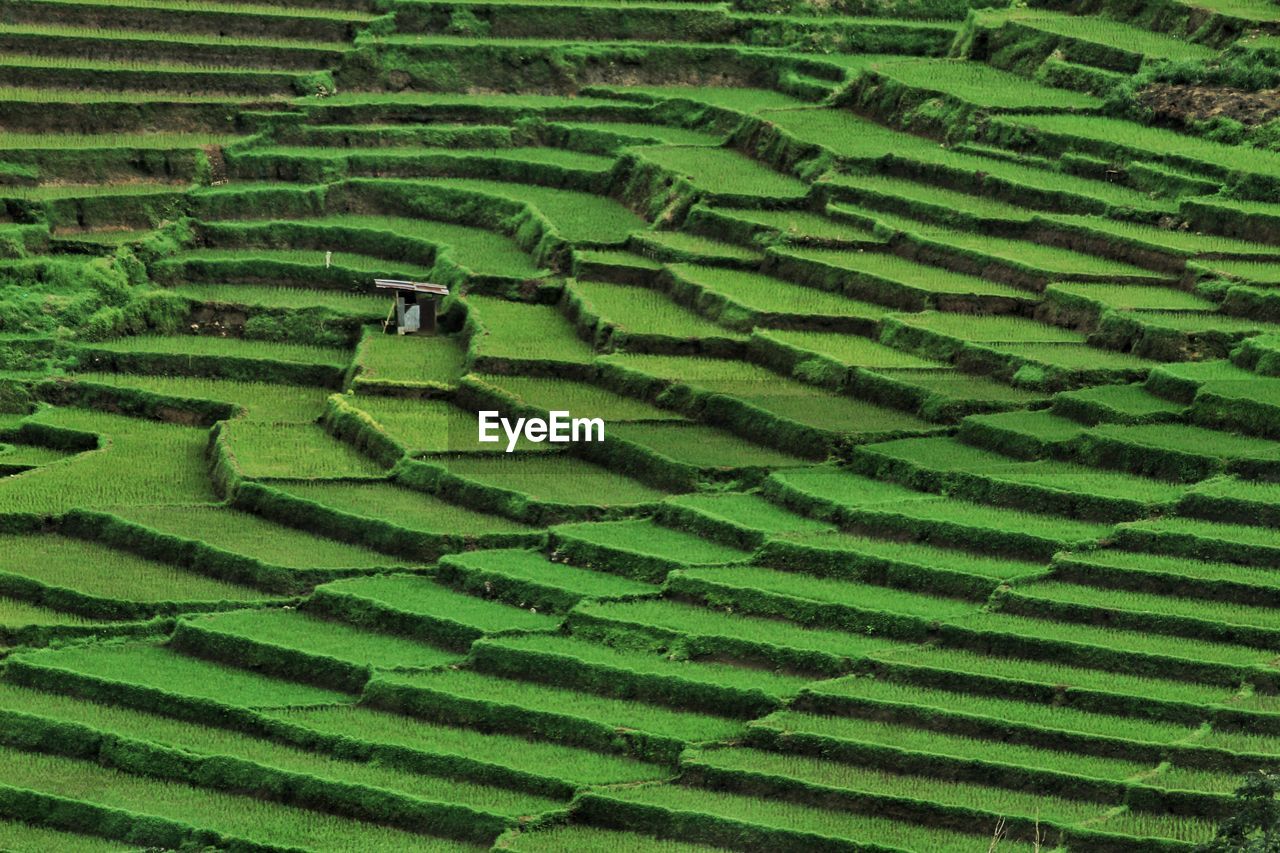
(937, 351)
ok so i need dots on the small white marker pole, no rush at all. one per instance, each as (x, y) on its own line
(328, 259)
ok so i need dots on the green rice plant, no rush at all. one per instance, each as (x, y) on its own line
(745, 100)
(164, 463)
(360, 305)
(869, 697)
(643, 311)
(848, 350)
(844, 132)
(754, 292)
(576, 836)
(1069, 355)
(821, 601)
(1244, 543)
(1137, 643)
(488, 99)
(1235, 740)
(987, 668)
(1189, 830)
(251, 536)
(407, 508)
(428, 610)
(15, 835)
(293, 450)
(232, 347)
(724, 172)
(127, 35)
(162, 140)
(156, 667)
(41, 95)
(951, 384)
(1113, 600)
(240, 637)
(1111, 33)
(643, 541)
(882, 192)
(1196, 320)
(1197, 779)
(554, 478)
(233, 816)
(534, 758)
(1166, 239)
(30, 455)
(982, 85)
(554, 393)
(1162, 143)
(988, 329)
(648, 133)
(1130, 297)
(206, 740)
(1117, 403)
(906, 738)
(685, 246)
(262, 401)
(700, 631)
(21, 614)
(861, 547)
(521, 704)
(642, 675)
(700, 445)
(798, 224)
(874, 781)
(1184, 438)
(530, 579)
(409, 358)
(779, 818)
(746, 512)
(578, 217)
(313, 259)
(59, 563)
(513, 330)
(902, 273)
(1148, 569)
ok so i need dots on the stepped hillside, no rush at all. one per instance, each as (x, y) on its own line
(938, 349)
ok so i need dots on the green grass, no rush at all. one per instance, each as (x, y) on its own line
(697, 247)
(957, 385)
(653, 719)
(1185, 438)
(555, 839)
(956, 746)
(1192, 242)
(20, 614)
(555, 478)
(243, 533)
(1072, 356)
(983, 85)
(205, 740)
(294, 298)
(18, 837)
(723, 171)
(1056, 674)
(313, 258)
(1107, 600)
(409, 358)
(415, 594)
(94, 569)
(1143, 824)
(162, 140)
(982, 516)
(1126, 37)
(738, 587)
(848, 349)
(774, 813)
(946, 703)
(294, 450)
(264, 822)
(701, 445)
(1124, 402)
(704, 626)
(1237, 534)
(410, 509)
(644, 537)
(576, 766)
(576, 216)
(514, 330)
(164, 463)
(554, 393)
(532, 567)
(299, 631)
(157, 667)
(603, 659)
(883, 782)
(876, 190)
(1138, 562)
(918, 554)
(262, 401)
(429, 426)
(756, 292)
(836, 485)
(1128, 297)
(663, 133)
(891, 268)
(645, 311)
(799, 224)
(729, 97)
(748, 511)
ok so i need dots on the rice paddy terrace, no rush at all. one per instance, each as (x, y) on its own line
(938, 348)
